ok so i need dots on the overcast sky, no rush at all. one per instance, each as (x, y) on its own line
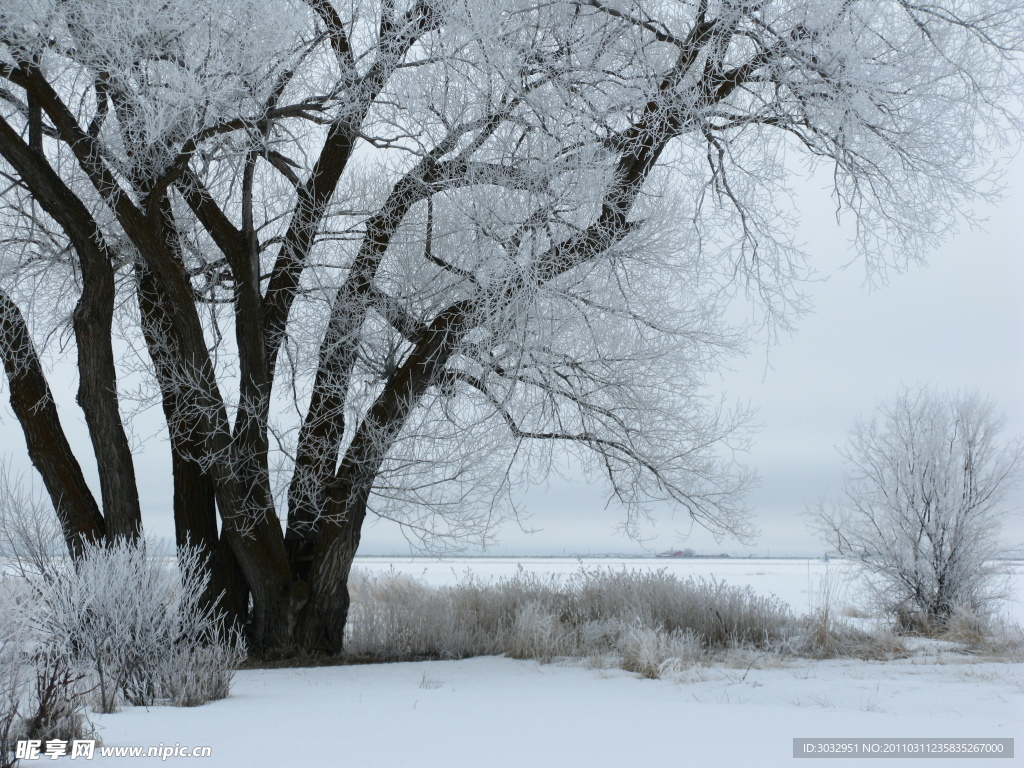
(957, 323)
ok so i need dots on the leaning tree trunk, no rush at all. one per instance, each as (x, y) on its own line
(48, 447)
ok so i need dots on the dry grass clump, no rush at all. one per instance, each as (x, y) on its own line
(908, 622)
(398, 618)
(649, 623)
(855, 612)
(977, 631)
(984, 634)
(827, 632)
(718, 615)
(655, 654)
(826, 636)
(967, 627)
(1004, 645)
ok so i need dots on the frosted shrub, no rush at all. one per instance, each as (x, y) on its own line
(924, 499)
(15, 674)
(110, 612)
(30, 536)
(536, 633)
(655, 653)
(60, 693)
(42, 692)
(137, 623)
(122, 622)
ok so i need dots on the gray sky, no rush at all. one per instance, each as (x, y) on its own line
(955, 324)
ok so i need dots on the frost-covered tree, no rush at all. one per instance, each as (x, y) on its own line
(388, 257)
(923, 501)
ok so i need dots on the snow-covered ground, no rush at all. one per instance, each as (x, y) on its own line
(502, 712)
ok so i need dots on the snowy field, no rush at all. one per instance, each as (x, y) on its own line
(495, 711)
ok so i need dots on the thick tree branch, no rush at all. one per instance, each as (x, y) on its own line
(93, 317)
(48, 448)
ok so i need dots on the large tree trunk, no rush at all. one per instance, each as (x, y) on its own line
(322, 623)
(323, 620)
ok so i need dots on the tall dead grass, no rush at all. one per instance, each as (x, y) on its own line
(647, 622)
(652, 623)
(827, 633)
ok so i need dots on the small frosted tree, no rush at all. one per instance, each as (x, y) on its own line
(923, 500)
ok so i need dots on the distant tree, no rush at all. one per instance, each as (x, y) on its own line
(923, 501)
(386, 256)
